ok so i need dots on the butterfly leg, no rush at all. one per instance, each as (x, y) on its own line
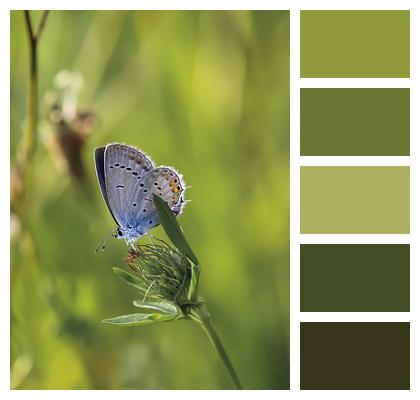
(130, 242)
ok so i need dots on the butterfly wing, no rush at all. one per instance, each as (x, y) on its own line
(162, 181)
(124, 166)
(99, 155)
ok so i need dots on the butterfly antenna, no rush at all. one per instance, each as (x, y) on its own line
(104, 240)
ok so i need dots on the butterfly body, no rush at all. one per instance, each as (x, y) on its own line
(128, 179)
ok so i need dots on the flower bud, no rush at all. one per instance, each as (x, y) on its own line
(164, 273)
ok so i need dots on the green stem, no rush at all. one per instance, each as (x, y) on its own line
(28, 140)
(217, 344)
(202, 317)
(26, 149)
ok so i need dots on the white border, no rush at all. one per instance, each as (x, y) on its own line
(355, 83)
(354, 316)
(414, 200)
(296, 83)
(293, 5)
(5, 203)
(355, 239)
(294, 199)
(354, 161)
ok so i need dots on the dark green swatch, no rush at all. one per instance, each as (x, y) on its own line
(355, 122)
(354, 277)
(355, 355)
(355, 44)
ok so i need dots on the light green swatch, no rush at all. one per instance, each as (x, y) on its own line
(355, 200)
(355, 44)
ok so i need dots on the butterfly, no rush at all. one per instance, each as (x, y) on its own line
(128, 179)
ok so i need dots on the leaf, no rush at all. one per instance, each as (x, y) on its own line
(138, 319)
(131, 279)
(192, 290)
(173, 229)
(164, 308)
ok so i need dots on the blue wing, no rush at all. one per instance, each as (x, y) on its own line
(99, 155)
(124, 166)
(162, 181)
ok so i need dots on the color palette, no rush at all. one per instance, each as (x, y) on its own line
(354, 180)
(355, 277)
(355, 199)
(355, 122)
(355, 44)
(355, 355)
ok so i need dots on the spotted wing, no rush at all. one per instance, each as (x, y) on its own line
(162, 181)
(124, 167)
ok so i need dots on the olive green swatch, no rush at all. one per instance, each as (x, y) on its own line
(355, 200)
(355, 277)
(355, 355)
(355, 122)
(355, 44)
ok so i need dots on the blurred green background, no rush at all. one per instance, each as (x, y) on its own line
(206, 92)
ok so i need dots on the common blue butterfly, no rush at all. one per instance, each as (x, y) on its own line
(128, 179)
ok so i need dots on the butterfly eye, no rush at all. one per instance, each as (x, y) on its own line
(119, 233)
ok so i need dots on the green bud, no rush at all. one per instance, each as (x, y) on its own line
(161, 273)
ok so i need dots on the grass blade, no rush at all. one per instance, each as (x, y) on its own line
(128, 278)
(192, 291)
(138, 319)
(173, 229)
(164, 308)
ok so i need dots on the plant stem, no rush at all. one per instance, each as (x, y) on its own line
(26, 149)
(217, 344)
(28, 140)
(201, 316)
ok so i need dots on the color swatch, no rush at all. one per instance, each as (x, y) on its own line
(354, 277)
(355, 355)
(355, 200)
(357, 196)
(355, 122)
(355, 44)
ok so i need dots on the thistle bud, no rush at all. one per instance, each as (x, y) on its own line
(163, 272)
